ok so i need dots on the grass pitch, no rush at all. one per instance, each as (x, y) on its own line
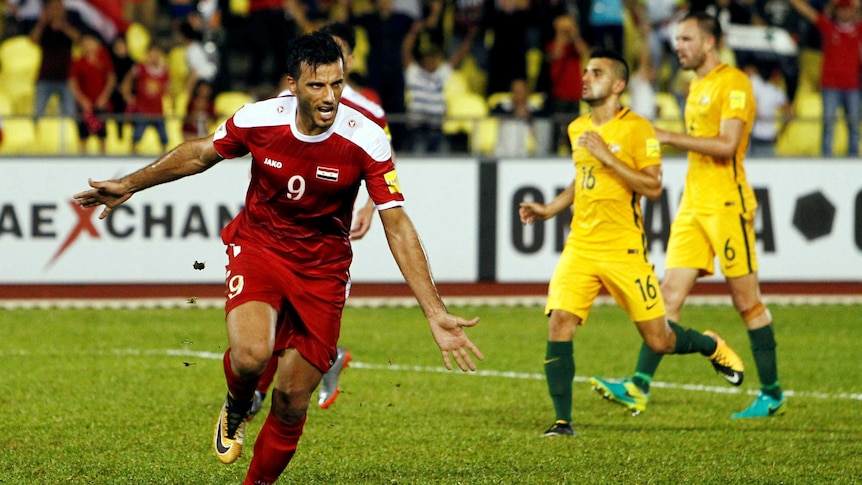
(131, 397)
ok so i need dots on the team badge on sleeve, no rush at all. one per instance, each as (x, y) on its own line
(653, 148)
(737, 99)
(392, 182)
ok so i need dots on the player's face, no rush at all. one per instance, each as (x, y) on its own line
(599, 80)
(691, 44)
(318, 92)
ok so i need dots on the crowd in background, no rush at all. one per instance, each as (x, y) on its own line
(524, 57)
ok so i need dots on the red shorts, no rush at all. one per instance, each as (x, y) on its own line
(309, 300)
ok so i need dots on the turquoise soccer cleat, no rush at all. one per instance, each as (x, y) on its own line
(764, 406)
(623, 392)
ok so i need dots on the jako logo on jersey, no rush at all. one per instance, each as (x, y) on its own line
(324, 173)
(271, 162)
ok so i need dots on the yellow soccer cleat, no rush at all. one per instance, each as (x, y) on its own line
(230, 431)
(725, 361)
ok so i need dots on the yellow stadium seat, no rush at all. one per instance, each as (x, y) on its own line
(485, 137)
(19, 136)
(360, 52)
(535, 58)
(477, 79)
(227, 102)
(138, 39)
(119, 139)
(802, 137)
(20, 59)
(57, 135)
(238, 7)
(669, 113)
(465, 114)
(178, 70)
(456, 85)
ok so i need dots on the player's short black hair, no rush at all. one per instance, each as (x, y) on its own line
(707, 23)
(621, 67)
(315, 49)
(343, 31)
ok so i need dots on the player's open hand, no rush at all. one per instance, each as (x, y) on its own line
(532, 211)
(448, 332)
(109, 193)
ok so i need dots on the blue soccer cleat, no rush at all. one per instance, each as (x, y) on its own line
(764, 406)
(623, 392)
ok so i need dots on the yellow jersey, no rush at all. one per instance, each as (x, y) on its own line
(713, 183)
(606, 221)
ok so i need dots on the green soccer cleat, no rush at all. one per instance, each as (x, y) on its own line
(230, 430)
(560, 428)
(623, 392)
(725, 361)
(764, 406)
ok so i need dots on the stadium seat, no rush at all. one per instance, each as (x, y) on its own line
(227, 102)
(138, 39)
(802, 137)
(19, 136)
(57, 136)
(115, 144)
(669, 113)
(238, 7)
(477, 79)
(535, 58)
(463, 115)
(20, 59)
(360, 52)
(178, 70)
(456, 84)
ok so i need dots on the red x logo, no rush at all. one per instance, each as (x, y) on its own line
(84, 224)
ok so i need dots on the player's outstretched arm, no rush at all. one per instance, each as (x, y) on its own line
(447, 329)
(191, 157)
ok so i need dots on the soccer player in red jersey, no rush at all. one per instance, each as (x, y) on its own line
(289, 248)
(345, 36)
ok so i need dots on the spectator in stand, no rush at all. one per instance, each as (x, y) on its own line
(773, 111)
(779, 14)
(201, 66)
(144, 89)
(386, 31)
(270, 30)
(841, 35)
(521, 130)
(468, 19)
(606, 24)
(564, 54)
(21, 16)
(730, 12)
(507, 57)
(425, 79)
(56, 35)
(200, 111)
(123, 63)
(92, 80)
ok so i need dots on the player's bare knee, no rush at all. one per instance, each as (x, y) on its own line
(660, 344)
(250, 360)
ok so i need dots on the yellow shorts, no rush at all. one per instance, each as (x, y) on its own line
(577, 281)
(696, 239)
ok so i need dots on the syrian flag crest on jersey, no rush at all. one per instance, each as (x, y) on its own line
(325, 173)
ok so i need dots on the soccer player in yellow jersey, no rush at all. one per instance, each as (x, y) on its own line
(716, 215)
(617, 160)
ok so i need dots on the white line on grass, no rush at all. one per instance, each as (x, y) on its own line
(507, 375)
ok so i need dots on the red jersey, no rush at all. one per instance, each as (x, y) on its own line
(841, 57)
(566, 74)
(92, 75)
(302, 190)
(151, 84)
